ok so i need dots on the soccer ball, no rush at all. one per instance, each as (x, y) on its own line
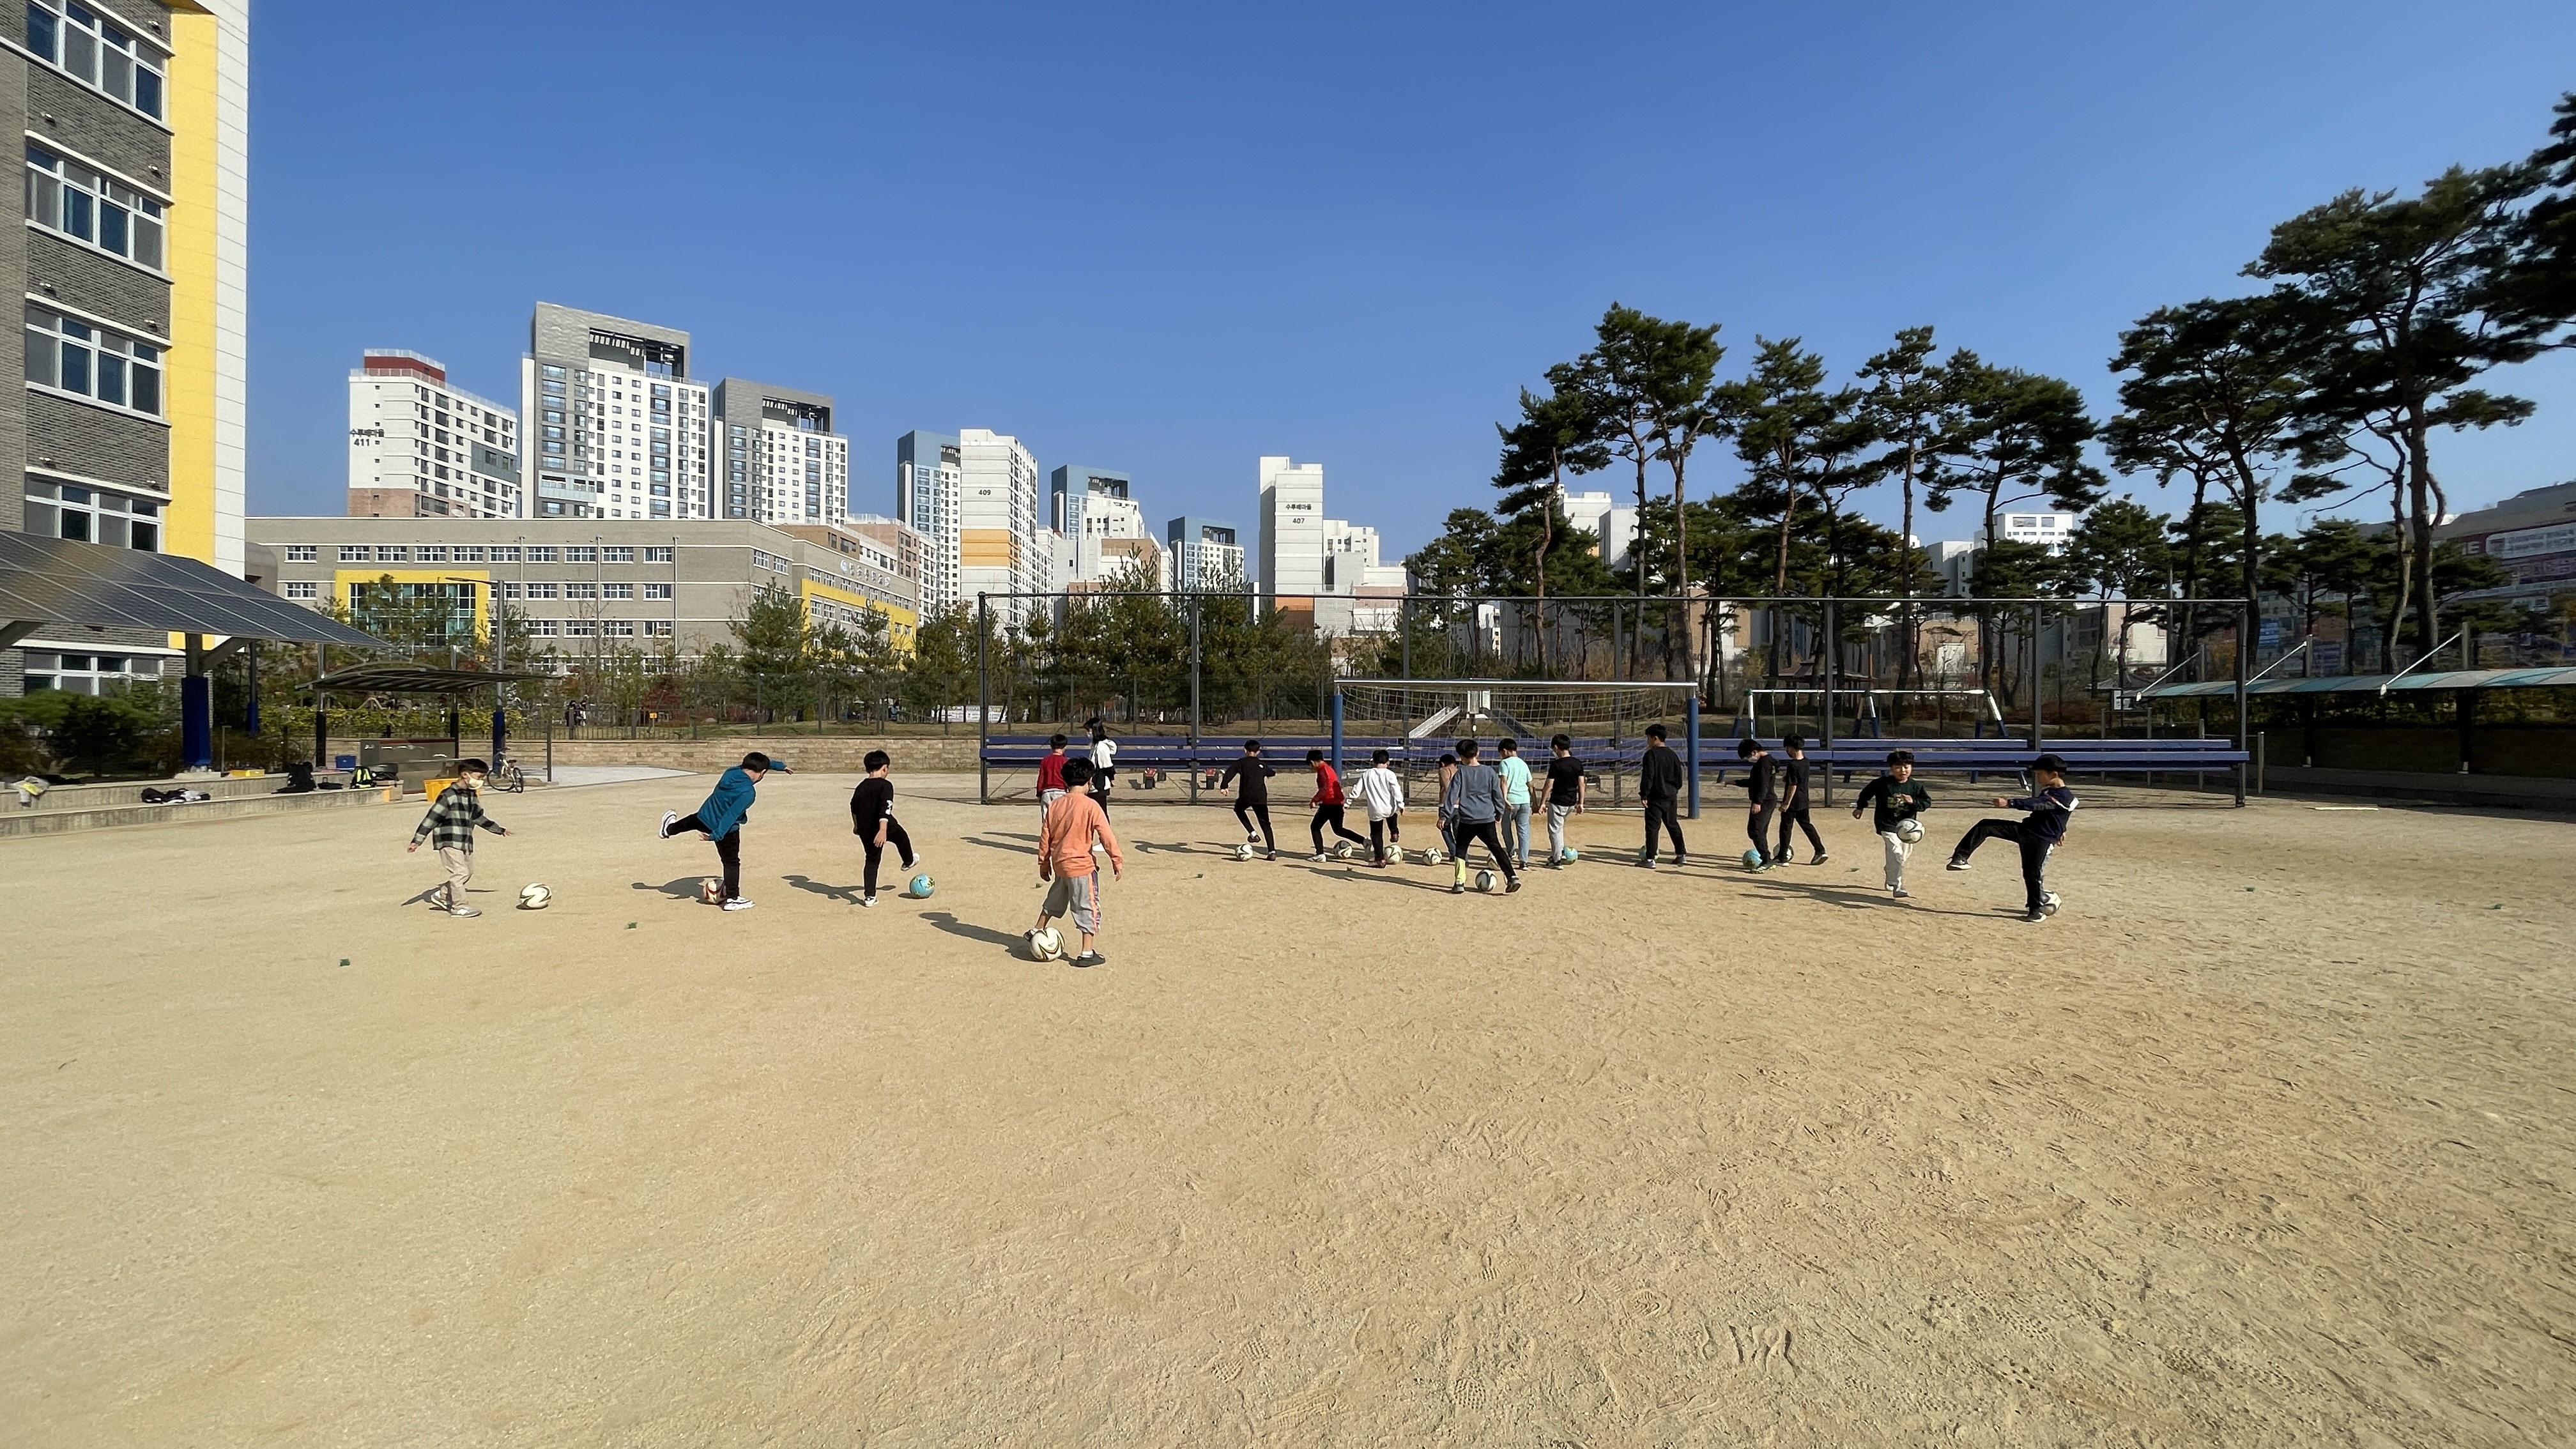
(1752, 858)
(1571, 855)
(921, 887)
(536, 898)
(1047, 945)
(711, 890)
(1243, 852)
(1486, 880)
(2048, 903)
(1431, 855)
(1343, 850)
(1910, 830)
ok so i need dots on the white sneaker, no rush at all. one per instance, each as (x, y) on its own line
(1898, 892)
(737, 904)
(1319, 857)
(669, 819)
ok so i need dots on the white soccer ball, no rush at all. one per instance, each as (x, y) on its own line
(1486, 880)
(1431, 855)
(711, 890)
(2048, 903)
(536, 898)
(1047, 945)
(1910, 830)
(1243, 852)
(1342, 850)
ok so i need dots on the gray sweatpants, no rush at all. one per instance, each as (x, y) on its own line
(460, 869)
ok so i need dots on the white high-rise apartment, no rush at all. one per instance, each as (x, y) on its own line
(419, 447)
(1292, 533)
(616, 426)
(1003, 543)
(1611, 526)
(928, 468)
(1101, 522)
(782, 463)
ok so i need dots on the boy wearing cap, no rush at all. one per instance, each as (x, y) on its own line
(2051, 805)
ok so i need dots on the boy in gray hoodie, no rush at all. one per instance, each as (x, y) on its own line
(1469, 806)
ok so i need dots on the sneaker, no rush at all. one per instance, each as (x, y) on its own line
(2034, 917)
(669, 819)
(1646, 862)
(1456, 889)
(913, 864)
(1898, 893)
(463, 911)
(1319, 857)
(1958, 865)
(1784, 858)
(1820, 860)
(1274, 855)
(1253, 839)
(737, 904)
(1090, 958)
(1030, 934)
(1511, 885)
(1680, 860)
(867, 900)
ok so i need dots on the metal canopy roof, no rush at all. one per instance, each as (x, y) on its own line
(403, 678)
(2374, 683)
(65, 581)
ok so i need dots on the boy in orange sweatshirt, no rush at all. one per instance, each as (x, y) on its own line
(1064, 860)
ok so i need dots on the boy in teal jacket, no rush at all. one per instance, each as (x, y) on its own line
(721, 819)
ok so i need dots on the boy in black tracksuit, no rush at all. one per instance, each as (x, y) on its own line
(1794, 774)
(1659, 788)
(1252, 797)
(1761, 797)
(2051, 806)
(872, 820)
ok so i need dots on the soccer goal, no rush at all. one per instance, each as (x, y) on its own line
(1417, 720)
(1975, 708)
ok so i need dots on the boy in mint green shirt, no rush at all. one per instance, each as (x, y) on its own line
(1516, 799)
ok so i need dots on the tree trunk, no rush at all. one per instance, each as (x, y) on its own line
(2420, 490)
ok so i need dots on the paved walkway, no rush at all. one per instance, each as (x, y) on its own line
(609, 774)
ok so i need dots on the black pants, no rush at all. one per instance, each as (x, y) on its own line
(1381, 834)
(1248, 811)
(1332, 815)
(1760, 830)
(894, 837)
(1661, 812)
(1797, 815)
(2034, 853)
(728, 850)
(1471, 832)
(1100, 785)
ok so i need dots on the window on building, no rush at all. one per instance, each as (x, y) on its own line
(72, 355)
(579, 628)
(617, 591)
(65, 196)
(581, 591)
(468, 553)
(657, 555)
(506, 553)
(657, 628)
(86, 673)
(539, 553)
(657, 591)
(92, 515)
(538, 591)
(541, 628)
(581, 553)
(96, 51)
(617, 555)
(302, 553)
(306, 592)
(430, 553)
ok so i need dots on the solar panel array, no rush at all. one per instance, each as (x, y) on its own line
(66, 581)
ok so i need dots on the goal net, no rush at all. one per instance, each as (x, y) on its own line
(1417, 721)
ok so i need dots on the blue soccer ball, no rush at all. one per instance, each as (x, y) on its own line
(922, 885)
(1752, 858)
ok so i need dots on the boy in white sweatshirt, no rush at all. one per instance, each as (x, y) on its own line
(1382, 791)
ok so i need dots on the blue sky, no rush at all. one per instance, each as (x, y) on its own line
(1171, 238)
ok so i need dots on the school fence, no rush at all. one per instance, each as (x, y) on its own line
(1974, 686)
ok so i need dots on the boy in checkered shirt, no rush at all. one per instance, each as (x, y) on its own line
(449, 828)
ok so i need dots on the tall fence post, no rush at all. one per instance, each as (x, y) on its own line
(1337, 731)
(1831, 657)
(1194, 699)
(1690, 737)
(2244, 646)
(2034, 680)
(983, 705)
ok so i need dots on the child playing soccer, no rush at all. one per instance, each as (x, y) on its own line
(1564, 796)
(1469, 809)
(2051, 806)
(1104, 763)
(1065, 844)
(1252, 797)
(872, 820)
(449, 827)
(1794, 775)
(1382, 791)
(1761, 797)
(1659, 789)
(1050, 777)
(1329, 804)
(721, 818)
(1515, 772)
(1898, 797)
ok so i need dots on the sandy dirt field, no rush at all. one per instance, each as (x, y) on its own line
(2265, 1140)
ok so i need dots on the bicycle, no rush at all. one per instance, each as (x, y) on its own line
(507, 776)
